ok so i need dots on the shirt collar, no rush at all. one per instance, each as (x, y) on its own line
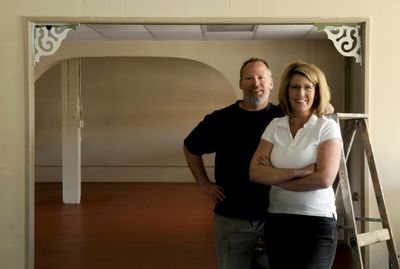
(285, 122)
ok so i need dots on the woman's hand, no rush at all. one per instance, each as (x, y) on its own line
(307, 170)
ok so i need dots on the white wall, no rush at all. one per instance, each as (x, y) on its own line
(381, 66)
(138, 110)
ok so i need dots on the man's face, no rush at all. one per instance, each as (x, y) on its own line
(256, 83)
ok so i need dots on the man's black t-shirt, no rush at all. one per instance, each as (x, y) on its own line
(234, 134)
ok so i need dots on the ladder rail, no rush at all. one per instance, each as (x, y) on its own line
(350, 143)
(344, 187)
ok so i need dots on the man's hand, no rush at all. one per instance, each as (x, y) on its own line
(329, 109)
(213, 191)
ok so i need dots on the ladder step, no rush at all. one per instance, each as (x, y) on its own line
(368, 219)
(350, 116)
(365, 239)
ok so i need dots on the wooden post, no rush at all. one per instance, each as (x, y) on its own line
(71, 132)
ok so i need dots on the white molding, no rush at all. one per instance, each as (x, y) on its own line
(47, 40)
(346, 39)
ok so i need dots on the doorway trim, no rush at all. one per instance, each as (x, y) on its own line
(29, 23)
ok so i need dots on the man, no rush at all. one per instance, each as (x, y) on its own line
(233, 133)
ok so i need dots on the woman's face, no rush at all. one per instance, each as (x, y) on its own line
(301, 94)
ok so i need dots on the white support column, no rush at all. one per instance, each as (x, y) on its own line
(71, 132)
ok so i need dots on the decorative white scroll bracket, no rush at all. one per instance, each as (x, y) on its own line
(346, 40)
(48, 39)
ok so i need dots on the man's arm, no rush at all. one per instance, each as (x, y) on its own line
(196, 166)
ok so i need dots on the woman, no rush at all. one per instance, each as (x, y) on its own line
(299, 157)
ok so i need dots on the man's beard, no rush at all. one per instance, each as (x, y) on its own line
(252, 99)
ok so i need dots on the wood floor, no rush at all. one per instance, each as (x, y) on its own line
(129, 225)
(124, 225)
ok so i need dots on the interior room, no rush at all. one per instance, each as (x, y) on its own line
(141, 89)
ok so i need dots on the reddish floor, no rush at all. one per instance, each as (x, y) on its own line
(124, 225)
(129, 225)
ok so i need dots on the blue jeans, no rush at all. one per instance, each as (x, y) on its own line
(301, 242)
(236, 241)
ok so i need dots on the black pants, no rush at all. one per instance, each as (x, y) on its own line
(300, 242)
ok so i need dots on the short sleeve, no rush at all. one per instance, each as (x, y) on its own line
(330, 130)
(269, 131)
(201, 139)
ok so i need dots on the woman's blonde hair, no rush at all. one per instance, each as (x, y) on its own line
(313, 74)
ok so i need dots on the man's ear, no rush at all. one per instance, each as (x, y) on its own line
(240, 84)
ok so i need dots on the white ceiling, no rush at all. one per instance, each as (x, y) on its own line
(194, 32)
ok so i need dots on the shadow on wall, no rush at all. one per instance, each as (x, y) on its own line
(136, 110)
